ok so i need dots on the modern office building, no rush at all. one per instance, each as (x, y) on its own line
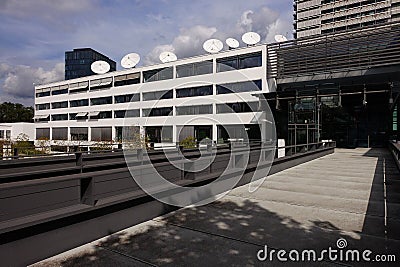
(194, 97)
(78, 62)
(312, 17)
(343, 86)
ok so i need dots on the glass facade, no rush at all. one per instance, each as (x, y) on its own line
(78, 62)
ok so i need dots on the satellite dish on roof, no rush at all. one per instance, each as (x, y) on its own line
(100, 67)
(251, 38)
(166, 57)
(232, 43)
(130, 60)
(213, 45)
(280, 38)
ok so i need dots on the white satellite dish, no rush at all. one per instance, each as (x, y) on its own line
(251, 38)
(213, 45)
(166, 57)
(280, 38)
(130, 60)
(100, 67)
(232, 43)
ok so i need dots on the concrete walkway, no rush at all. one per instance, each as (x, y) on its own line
(352, 194)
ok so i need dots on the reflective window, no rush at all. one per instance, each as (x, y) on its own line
(43, 106)
(101, 134)
(79, 103)
(239, 62)
(157, 112)
(79, 133)
(101, 101)
(59, 117)
(126, 98)
(239, 87)
(194, 91)
(237, 107)
(194, 110)
(42, 133)
(132, 113)
(60, 133)
(157, 95)
(158, 74)
(193, 69)
(57, 105)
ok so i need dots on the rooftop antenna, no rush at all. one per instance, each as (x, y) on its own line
(166, 57)
(251, 38)
(280, 38)
(100, 67)
(213, 46)
(130, 60)
(232, 43)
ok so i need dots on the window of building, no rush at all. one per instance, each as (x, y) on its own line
(159, 134)
(193, 69)
(101, 101)
(8, 134)
(59, 117)
(81, 87)
(79, 103)
(194, 110)
(239, 62)
(1, 134)
(42, 133)
(59, 90)
(100, 84)
(42, 118)
(60, 133)
(43, 106)
(194, 91)
(158, 74)
(128, 79)
(78, 116)
(239, 87)
(79, 133)
(157, 95)
(157, 112)
(43, 92)
(126, 98)
(132, 113)
(101, 133)
(237, 107)
(57, 105)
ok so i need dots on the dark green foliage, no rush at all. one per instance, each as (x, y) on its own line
(14, 112)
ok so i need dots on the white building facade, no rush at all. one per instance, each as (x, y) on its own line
(13, 131)
(202, 97)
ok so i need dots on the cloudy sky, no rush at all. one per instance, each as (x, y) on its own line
(34, 34)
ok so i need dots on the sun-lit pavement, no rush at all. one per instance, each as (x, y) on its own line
(352, 194)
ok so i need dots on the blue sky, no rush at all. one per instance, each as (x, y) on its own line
(34, 34)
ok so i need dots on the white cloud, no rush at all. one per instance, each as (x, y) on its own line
(18, 80)
(188, 43)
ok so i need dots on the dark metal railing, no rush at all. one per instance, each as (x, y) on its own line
(394, 148)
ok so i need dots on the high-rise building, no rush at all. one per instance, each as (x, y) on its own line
(78, 62)
(313, 17)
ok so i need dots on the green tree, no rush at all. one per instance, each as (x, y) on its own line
(15, 112)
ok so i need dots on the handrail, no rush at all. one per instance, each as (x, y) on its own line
(394, 148)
